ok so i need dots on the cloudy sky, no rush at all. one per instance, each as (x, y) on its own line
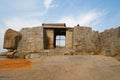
(98, 14)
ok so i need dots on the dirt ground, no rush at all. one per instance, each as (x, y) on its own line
(61, 68)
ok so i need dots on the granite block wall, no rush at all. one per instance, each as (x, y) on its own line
(32, 39)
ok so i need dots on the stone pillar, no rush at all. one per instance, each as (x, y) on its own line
(69, 38)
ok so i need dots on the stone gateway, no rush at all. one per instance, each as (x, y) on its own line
(56, 36)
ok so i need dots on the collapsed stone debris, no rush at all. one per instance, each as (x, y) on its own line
(57, 39)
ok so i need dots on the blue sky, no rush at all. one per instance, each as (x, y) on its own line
(98, 14)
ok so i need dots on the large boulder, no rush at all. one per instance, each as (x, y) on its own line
(11, 39)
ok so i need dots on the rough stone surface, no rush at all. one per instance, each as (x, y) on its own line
(110, 41)
(28, 56)
(106, 42)
(48, 38)
(84, 39)
(32, 39)
(19, 55)
(11, 39)
(80, 39)
(69, 38)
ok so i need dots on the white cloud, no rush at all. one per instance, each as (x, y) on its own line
(17, 23)
(90, 18)
(47, 3)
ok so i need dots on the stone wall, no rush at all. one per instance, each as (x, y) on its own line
(87, 40)
(110, 41)
(69, 38)
(32, 39)
(84, 39)
(79, 38)
(48, 38)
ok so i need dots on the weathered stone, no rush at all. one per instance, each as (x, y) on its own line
(10, 50)
(84, 39)
(11, 54)
(48, 38)
(32, 40)
(11, 39)
(110, 41)
(19, 55)
(81, 39)
(69, 52)
(32, 56)
(69, 38)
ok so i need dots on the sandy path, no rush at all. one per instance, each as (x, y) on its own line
(63, 68)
